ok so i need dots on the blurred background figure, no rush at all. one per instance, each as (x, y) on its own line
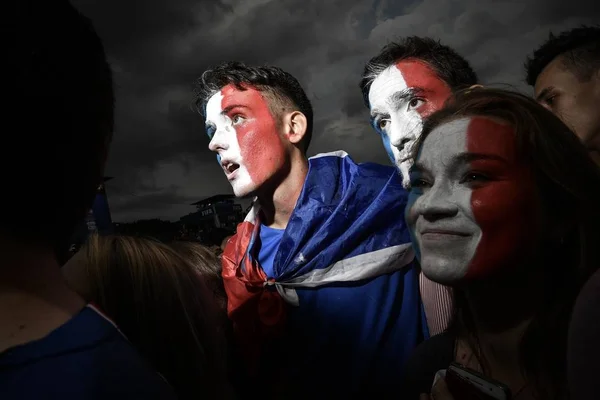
(565, 74)
(168, 305)
(60, 111)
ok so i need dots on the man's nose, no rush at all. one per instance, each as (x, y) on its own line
(402, 134)
(217, 142)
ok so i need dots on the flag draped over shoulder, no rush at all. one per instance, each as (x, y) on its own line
(348, 225)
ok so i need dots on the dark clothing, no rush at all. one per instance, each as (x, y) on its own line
(428, 358)
(86, 358)
(584, 342)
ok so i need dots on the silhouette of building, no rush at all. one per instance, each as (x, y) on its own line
(215, 216)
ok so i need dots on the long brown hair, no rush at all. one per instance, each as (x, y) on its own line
(161, 304)
(207, 265)
(568, 182)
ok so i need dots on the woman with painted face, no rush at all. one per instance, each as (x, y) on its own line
(503, 207)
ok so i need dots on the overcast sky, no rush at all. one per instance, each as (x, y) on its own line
(157, 48)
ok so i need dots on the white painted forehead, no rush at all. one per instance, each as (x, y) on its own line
(213, 106)
(386, 83)
(459, 125)
(447, 138)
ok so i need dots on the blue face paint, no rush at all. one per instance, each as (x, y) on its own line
(210, 132)
(386, 141)
(388, 147)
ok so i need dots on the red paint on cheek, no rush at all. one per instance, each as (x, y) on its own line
(260, 144)
(504, 207)
(418, 74)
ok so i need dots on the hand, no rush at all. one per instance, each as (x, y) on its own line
(439, 391)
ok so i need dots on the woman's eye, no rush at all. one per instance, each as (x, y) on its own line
(418, 183)
(475, 177)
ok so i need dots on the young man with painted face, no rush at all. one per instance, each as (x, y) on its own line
(59, 116)
(404, 84)
(565, 74)
(320, 282)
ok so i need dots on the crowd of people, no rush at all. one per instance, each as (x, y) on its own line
(478, 250)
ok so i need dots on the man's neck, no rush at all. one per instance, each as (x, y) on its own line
(34, 298)
(277, 205)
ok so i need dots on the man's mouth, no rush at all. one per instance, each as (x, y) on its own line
(230, 168)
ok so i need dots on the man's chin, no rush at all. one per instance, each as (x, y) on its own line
(404, 169)
(244, 193)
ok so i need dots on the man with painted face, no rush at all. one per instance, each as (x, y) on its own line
(565, 74)
(320, 281)
(404, 84)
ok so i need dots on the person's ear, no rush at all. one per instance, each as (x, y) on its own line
(295, 124)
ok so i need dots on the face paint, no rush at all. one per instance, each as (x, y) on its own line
(244, 134)
(472, 206)
(400, 98)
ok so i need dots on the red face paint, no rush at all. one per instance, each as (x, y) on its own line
(503, 203)
(419, 75)
(262, 149)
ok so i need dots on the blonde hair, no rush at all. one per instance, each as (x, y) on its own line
(161, 304)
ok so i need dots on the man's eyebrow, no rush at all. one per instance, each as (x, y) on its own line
(544, 93)
(375, 112)
(400, 97)
(407, 94)
(231, 107)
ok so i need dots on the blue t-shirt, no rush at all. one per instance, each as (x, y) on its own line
(86, 358)
(269, 244)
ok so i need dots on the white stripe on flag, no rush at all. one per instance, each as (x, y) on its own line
(363, 266)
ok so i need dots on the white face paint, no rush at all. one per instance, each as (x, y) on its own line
(396, 117)
(224, 141)
(439, 212)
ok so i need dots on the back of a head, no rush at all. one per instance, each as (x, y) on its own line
(578, 47)
(207, 265)
(283, 91)
(450, 66)
(163, 307)
(59, 118)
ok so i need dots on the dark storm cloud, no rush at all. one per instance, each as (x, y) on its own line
(158, 48)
